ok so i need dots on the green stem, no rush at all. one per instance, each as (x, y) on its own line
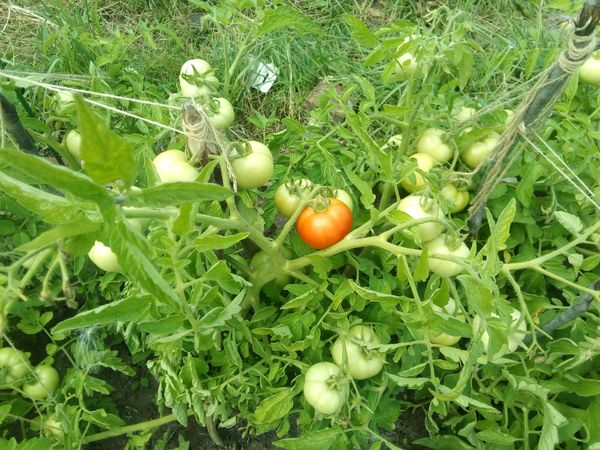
(142, 426)
(559, 251)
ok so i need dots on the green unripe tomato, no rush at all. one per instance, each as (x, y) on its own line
(416, 207)
(430, 143)
(479, 151)
(254, 169)
(104, 258)
(261, 261)
(349, 353)
(415, 181)
(287, 196)
(455, 199)
(172, 166)
(45, 383)
(442, 267)
(450, 309)
(13, 365)
(196, 78)
(589, 72)
(220, 112)
(345, 198)
(73, 143)
(406, 66)
(325, 388)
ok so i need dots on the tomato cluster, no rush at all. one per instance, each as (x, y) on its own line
(326, 384)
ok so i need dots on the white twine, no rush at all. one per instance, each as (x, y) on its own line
(560, 170)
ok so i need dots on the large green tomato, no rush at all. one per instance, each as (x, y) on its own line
(590, 71)
(455, 200)
(406, 66)
(255, 168)
(196, 78)
(349, 352)
(449, 309)
(13, 365)
(262, 262)
(430, 142)
(172, 165)
(287, 196)
(220, 112)
(104, 258)
(415, 181)
(46, 381)
(442, 267)
(325, 388)
(417, 208)
(479, 151)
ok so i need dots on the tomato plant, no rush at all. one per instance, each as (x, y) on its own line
(46, 381)
(514, 332)
(349, 352)
(14, 365)
(254, 167)
(325, 224)
(325, 388)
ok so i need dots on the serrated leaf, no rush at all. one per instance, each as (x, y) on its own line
(326, 439)
(285, 17)
(131, 309)
(51, 208)
(171, 194)
(371, 295)
(217, 242)
(569, 221)
(422, 270)
(64, 179)
(274, 407)
(411, 383)
(495, 437)
(107, 156)
(360, 32)
(552, 420)
(60, 232)
(103, 419)
(504, 222)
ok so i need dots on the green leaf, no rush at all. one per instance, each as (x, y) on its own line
(360, 32)
(130, 309)
(504, 222)
(51, 208)
(444, 443)
(285, 17)
(552, 420)
(107, 156)
(103, 419)
(170, 194)
(570, 222)
(326, 439)
(4, 411)
(217, 242)
(411, 383)
(64, 179)
(136, 263)
(495, 437)
(274, 407)
(59, 233)
(371, 295)
(360, 129)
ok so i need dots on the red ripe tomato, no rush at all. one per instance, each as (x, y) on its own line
(323, 228)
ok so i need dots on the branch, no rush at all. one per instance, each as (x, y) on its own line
(15, 128)
(581, 305)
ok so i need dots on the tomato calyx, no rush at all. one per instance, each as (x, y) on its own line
(321, 202)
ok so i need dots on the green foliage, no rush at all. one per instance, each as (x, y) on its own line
(223, 343)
